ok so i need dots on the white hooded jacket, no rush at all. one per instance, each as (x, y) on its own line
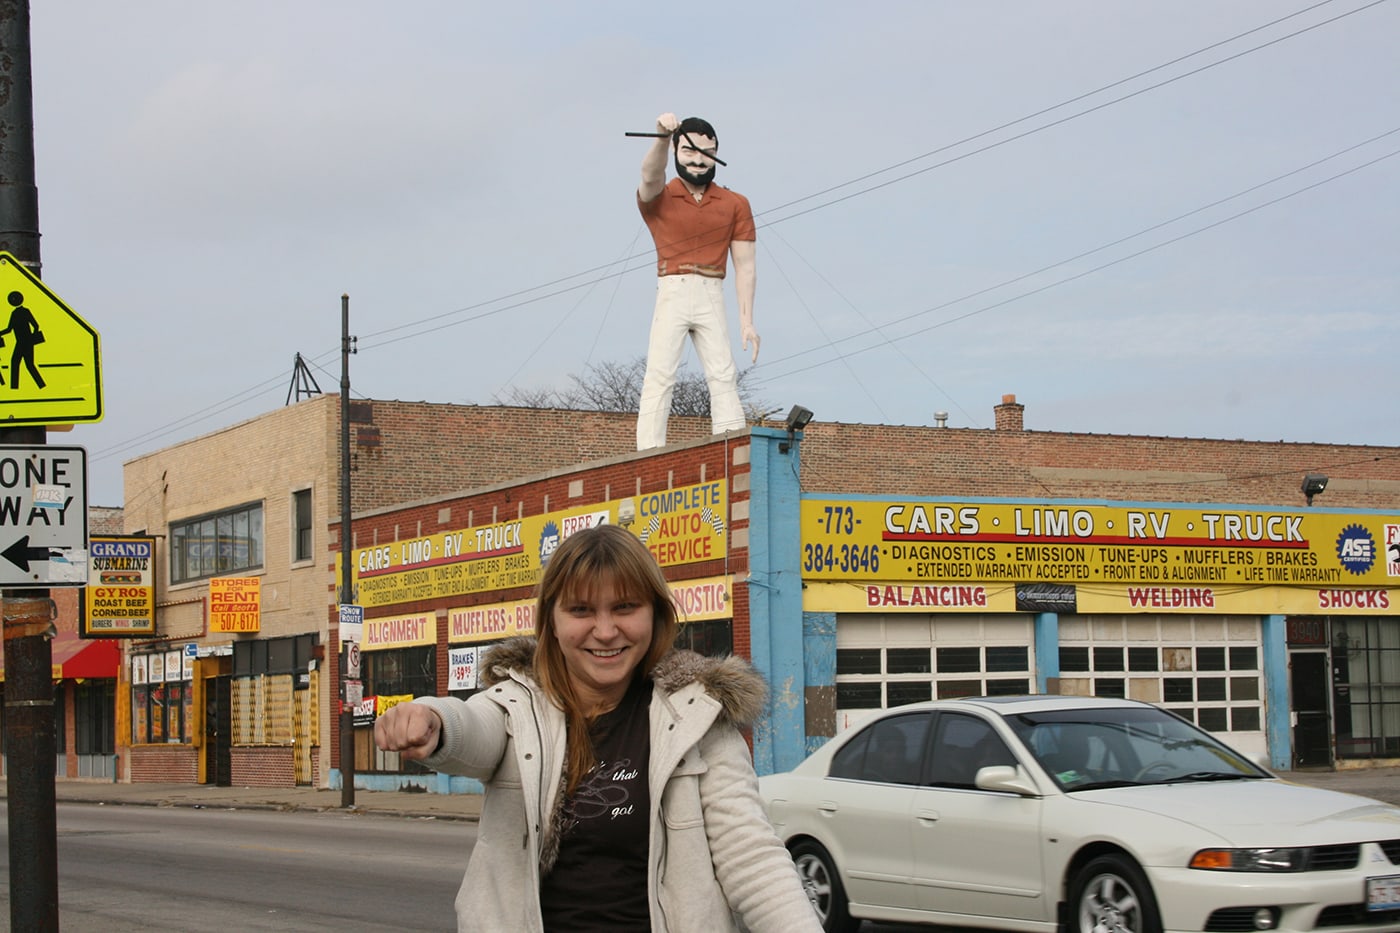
(715, 863)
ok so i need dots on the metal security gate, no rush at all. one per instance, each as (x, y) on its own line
(218, 731)
(1309, 684)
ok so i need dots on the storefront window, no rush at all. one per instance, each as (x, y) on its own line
(1366, 686)
(401, 672)
(161, 701)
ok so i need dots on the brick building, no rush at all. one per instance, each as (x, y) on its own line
(858, 565)
(253, 502)
(85, 681)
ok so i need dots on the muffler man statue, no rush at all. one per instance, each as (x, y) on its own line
(696, 225)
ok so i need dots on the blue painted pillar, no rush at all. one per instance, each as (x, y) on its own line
(819, 663)
(1278, 726)
(1047, 648)
(775, 598)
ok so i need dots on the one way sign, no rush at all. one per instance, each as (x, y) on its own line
(43, 516)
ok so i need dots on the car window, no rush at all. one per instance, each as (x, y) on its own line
(1136, 745)
(962, 746)
(846, 763)
(888, 751)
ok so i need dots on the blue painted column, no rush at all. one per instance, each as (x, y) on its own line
(775, 598)
(1278, 725)
(819, 664)
(1047, 648)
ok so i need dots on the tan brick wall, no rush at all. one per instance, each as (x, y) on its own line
(261, 460)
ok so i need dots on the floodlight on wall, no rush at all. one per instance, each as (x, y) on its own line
(1313, 484)
(797, 419)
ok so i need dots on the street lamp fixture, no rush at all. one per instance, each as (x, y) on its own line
(1313, 484)
(797, 419)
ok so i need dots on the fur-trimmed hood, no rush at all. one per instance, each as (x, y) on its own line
(732, 681)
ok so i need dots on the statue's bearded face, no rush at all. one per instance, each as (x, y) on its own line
(692, 163)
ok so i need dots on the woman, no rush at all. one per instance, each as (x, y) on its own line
(620, 794)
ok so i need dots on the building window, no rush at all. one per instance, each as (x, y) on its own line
(301, 525)
(1215, 683)
(400, 672)
(711, 637)
(289, 655)
(218, 544)
(160, 713)
(162, 701)
(95, 717)
(1366, 687)
(898, 674)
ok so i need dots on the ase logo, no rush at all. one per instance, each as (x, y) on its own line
(1356, 549)
(549, 541)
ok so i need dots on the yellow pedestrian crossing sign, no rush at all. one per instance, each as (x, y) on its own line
(50, 364)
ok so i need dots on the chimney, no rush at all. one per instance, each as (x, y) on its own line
(1010, 416)
(940, 418)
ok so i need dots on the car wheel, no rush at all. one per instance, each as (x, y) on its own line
(1111, 895)
(823, 886)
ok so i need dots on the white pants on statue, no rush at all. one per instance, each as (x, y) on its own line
(688, 305)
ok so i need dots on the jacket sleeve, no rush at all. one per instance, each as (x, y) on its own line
(474, 736)
(751, 864)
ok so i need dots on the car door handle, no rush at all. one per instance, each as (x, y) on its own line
(828, 807)
(928, 817)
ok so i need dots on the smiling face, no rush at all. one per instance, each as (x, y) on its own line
(693, 163)
(603, 635)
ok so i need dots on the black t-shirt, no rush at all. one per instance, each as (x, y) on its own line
(599, 882)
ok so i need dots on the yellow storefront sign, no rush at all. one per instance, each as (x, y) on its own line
(491, 622)
(399, 632)
(1202, 600)
(1156, 546)
(679, 526)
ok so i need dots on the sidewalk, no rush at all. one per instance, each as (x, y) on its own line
(1380, 783)
(415, 805)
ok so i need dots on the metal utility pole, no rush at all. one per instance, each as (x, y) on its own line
(347, 589)
(28, 613)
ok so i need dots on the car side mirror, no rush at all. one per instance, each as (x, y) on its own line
(1007, 779)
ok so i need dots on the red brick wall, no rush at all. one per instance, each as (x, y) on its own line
(626, 476)
(418, 451)
(263, 767)
(916, 460)
(411, 451)
(164, 764)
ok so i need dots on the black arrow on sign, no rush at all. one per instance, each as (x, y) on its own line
(20, 553)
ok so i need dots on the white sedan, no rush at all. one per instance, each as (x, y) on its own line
(1075, 814)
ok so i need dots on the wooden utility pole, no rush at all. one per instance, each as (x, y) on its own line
(28, 613)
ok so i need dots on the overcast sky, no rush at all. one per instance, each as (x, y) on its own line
(1164, 217)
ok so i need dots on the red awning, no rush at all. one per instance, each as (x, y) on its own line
(75, 657)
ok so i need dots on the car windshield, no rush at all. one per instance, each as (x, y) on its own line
(1086, 749)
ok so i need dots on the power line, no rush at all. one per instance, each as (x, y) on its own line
(1039, 128)
(1079, 275)
(368, 343)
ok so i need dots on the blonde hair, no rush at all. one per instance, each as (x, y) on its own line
(587, 559)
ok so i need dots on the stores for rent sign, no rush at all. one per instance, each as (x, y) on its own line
(235, 604)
